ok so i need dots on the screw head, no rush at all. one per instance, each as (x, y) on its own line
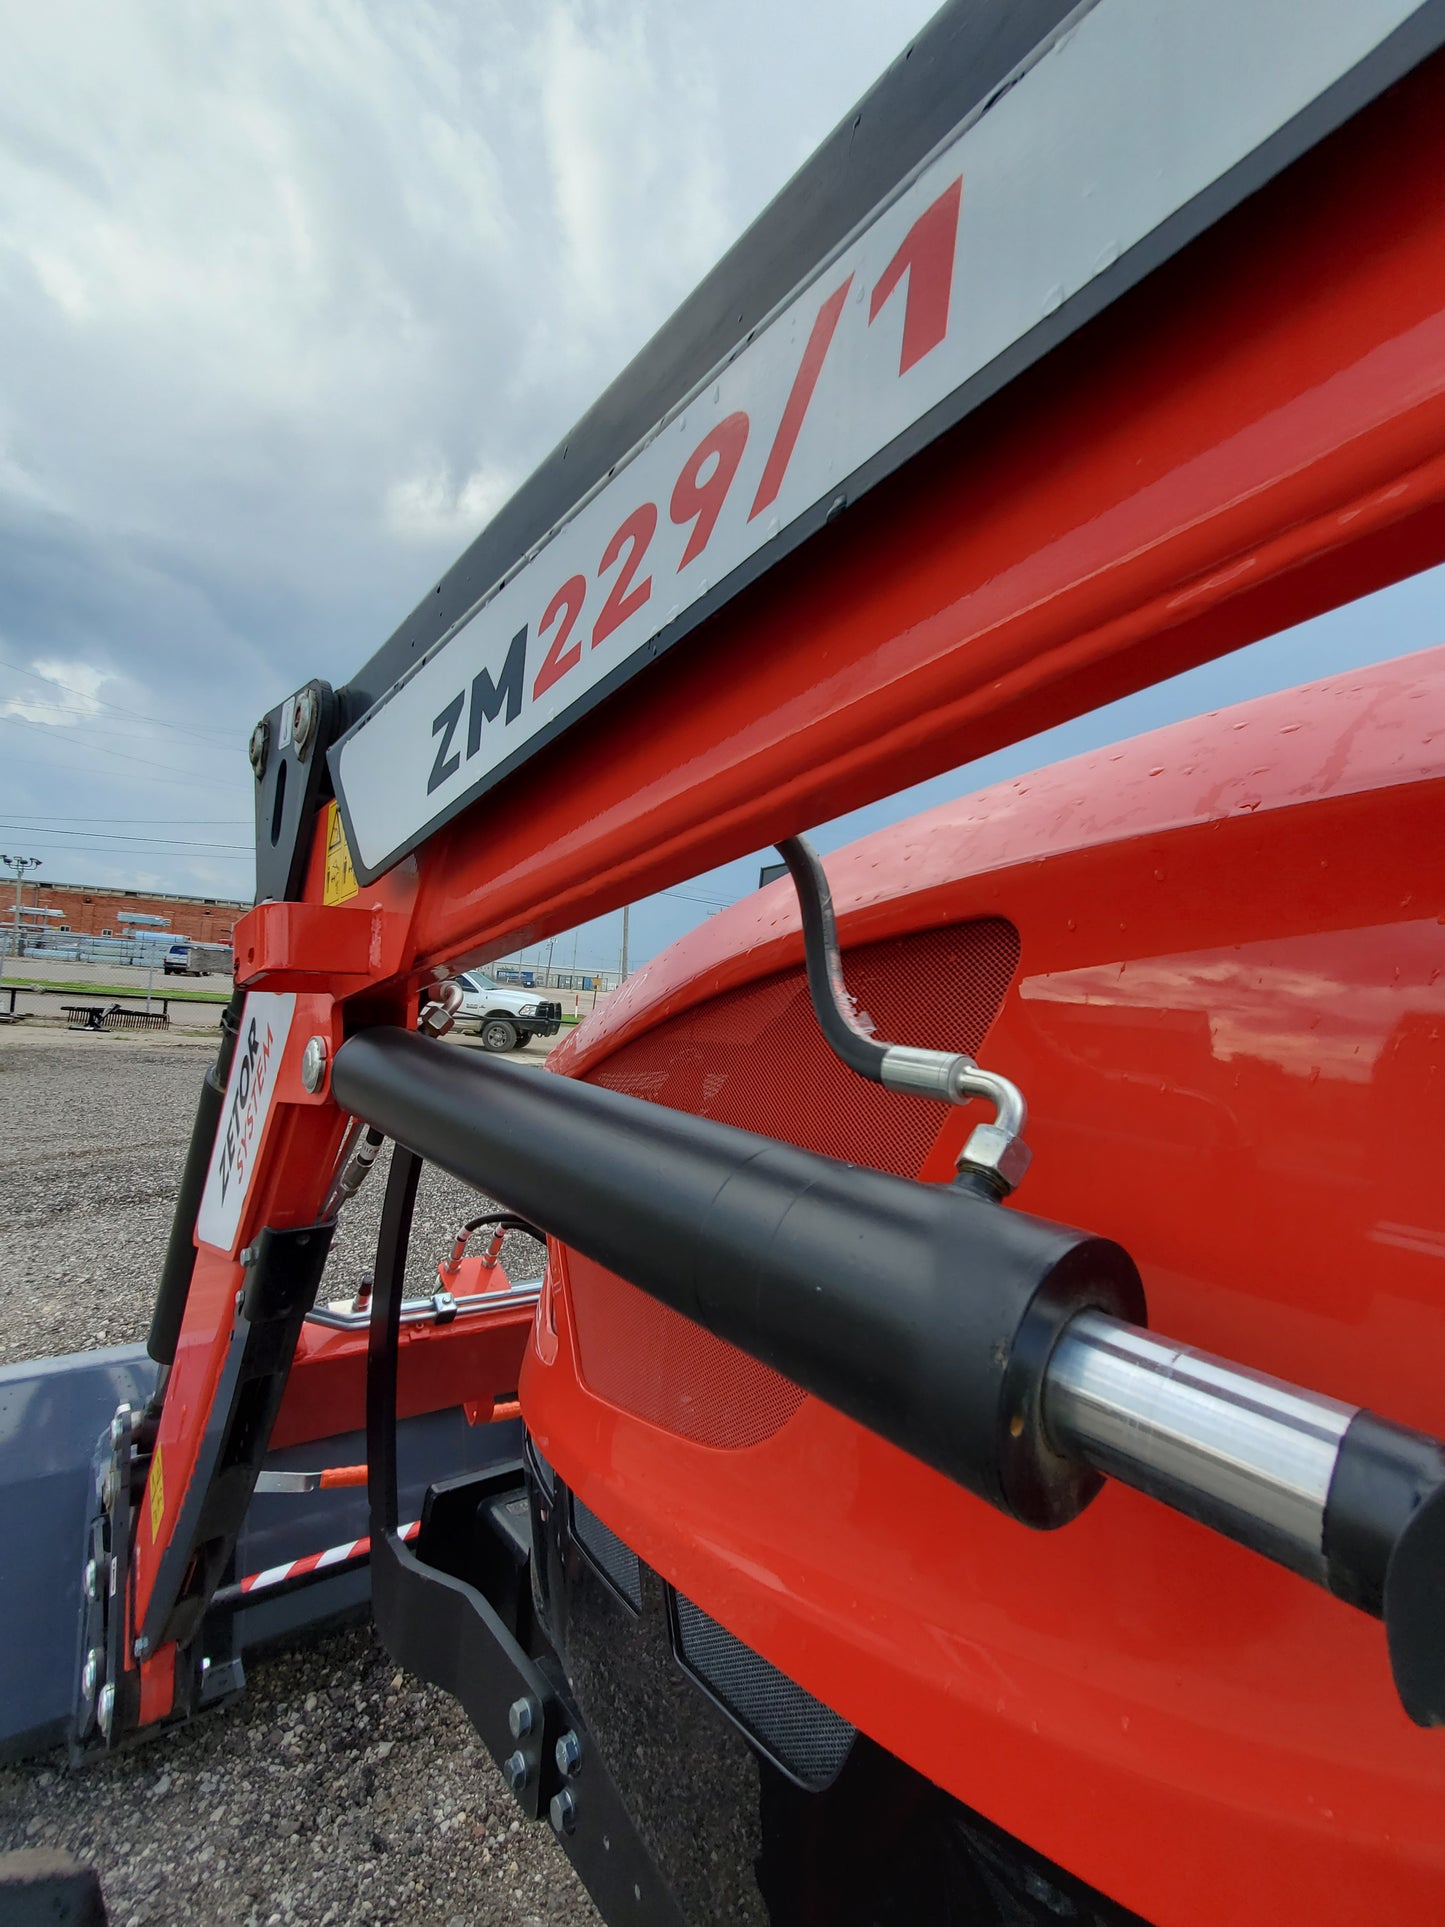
(516, 1771)
(521, 1718)
(105, 1709)
(313, 1064)
(563, 1812)
(568, 1754)
(260, 745)
(90, 1673)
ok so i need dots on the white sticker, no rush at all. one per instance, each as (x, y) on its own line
(1130, 114)
(265, 1025)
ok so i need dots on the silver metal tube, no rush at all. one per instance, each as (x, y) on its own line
(420, 1311)
(1249, 1455)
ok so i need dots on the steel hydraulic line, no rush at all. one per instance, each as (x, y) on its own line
(1004, 1350)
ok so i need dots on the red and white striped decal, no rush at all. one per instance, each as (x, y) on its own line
(316, 1561)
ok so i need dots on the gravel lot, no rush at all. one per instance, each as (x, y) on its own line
(337, 1789)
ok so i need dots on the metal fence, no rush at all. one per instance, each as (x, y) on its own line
(142, 948)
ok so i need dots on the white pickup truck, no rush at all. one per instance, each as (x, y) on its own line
(504, 1017)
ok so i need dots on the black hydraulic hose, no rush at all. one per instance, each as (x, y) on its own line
(505, 1221)
(924, 1312)
(831, 1003)
(174, 1285)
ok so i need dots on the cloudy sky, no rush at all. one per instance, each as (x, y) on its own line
(291, 296)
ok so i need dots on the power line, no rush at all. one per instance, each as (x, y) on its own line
(52, 769)
(102, 836)
(100, 701)
(98, 749)
(195, 822)
(684, 896)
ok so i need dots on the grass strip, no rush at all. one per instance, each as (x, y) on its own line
(121, 992)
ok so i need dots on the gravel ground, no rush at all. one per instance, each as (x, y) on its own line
(337, 1789)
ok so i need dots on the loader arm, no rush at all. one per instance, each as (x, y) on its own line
(1069, 362)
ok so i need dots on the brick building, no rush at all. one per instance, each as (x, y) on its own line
(95, 909)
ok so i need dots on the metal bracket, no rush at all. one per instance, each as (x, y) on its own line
(288, 756)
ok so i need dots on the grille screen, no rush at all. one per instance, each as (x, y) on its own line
(754, 1057)
(803, 1735)
(618, 1562)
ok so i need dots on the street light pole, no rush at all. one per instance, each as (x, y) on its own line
(19, 864)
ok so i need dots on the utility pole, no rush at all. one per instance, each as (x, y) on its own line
(623, 978)
(19, 864)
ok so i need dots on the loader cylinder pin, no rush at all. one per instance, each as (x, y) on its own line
(313, 1064)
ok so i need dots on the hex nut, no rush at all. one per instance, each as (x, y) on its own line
(997, 1153)
(568, 1754)
(260, 747)
(436, 1020)
(521, 1718)
(563, 1812)
(313, 1064)
(517, 1771)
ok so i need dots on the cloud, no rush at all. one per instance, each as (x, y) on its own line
(292, 296)
(64, 693)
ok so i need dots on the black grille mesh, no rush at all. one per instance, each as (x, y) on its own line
(805, 1737)
(616, 1561)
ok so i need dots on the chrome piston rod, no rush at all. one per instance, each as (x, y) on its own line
(1249, 1455)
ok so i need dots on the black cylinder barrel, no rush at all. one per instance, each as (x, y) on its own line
(174, 1286)
(924, 1312)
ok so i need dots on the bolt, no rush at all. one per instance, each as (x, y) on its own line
(260, 745)
(90, 1673)
(105, 1709)
(563, 1812)
(305, 711)
(118, 1424)
(92, 1579)
(568, 1754)
(521, 1717)
(313, 1064)
(142, 1648)
(516, 1771)
(246, 1255)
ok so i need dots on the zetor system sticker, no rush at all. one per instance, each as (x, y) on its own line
(264, 1029)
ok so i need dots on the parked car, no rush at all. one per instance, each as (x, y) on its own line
(504, 1018)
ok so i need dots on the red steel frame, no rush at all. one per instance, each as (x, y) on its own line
(1254, 435)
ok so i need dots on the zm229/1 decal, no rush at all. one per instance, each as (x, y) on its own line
(673, 535)
(905, 318)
